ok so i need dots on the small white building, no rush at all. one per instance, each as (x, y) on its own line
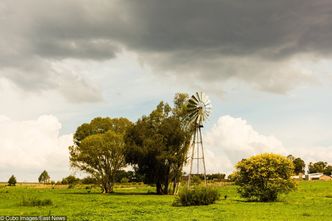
(312, 176)
(317, 176)
(299, 177)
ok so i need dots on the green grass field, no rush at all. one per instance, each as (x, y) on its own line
(311, 201)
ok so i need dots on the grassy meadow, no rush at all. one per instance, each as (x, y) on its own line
(311, 201)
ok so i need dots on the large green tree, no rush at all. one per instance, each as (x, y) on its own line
(317, 167)
(328, 170)
(44, 177)
(320, 167)
(12, 181)
(299, 165)
(263, 177)
(157, 144)
(99, 149)
(101, 125)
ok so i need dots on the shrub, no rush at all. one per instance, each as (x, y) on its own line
(89, 180)
(70, 180)
(263, 177)
(130, 175)
(124, 180)
(71, 186)
(12, 181)
(196, 196)
(36, 202)
(88, 188)
(195, 179)
(215, 176)
(231, 177)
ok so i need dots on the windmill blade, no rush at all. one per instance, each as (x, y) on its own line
(205, 99)
(195, 98)
(199, 108)
(192, 114)
(198, 96)
(192, 104)
(208, 107)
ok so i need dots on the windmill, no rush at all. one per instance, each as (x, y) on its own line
(199, 109)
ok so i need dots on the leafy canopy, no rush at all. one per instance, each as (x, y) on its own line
(12, 181)
(157, 144)
(299, 165)
(99, 149)
(320, 167)
(44, 177)
(101, 125)
(263, 177)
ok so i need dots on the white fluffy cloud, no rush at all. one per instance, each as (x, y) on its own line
(314, 154)
(28, 147)
(232, 139)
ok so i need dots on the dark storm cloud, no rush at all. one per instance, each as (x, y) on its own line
(213, 41)
(97, 50)
(248, 40)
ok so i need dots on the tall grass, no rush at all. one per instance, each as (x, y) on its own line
(35, 202)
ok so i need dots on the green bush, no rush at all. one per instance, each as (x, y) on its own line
(71, 186)
(36, 202)
(70, 180)
(195, 179)
(88, 188)
(124, 180)
(263, 177)
(89, 180)
(12, 181)
(196, 196)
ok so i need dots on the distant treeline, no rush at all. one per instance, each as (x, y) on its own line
(313, 167)
(212, 177)
(123, 176)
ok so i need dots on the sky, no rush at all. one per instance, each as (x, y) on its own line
(265, 65)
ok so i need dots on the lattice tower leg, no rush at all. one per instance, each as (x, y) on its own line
(197, 145)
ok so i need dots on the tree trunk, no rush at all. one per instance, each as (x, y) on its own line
(107, 186)
(159, 188)
(174, 186)
(104, 187)
(110, 187)
(166, 186)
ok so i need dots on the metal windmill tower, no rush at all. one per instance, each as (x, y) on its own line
(199, 109)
